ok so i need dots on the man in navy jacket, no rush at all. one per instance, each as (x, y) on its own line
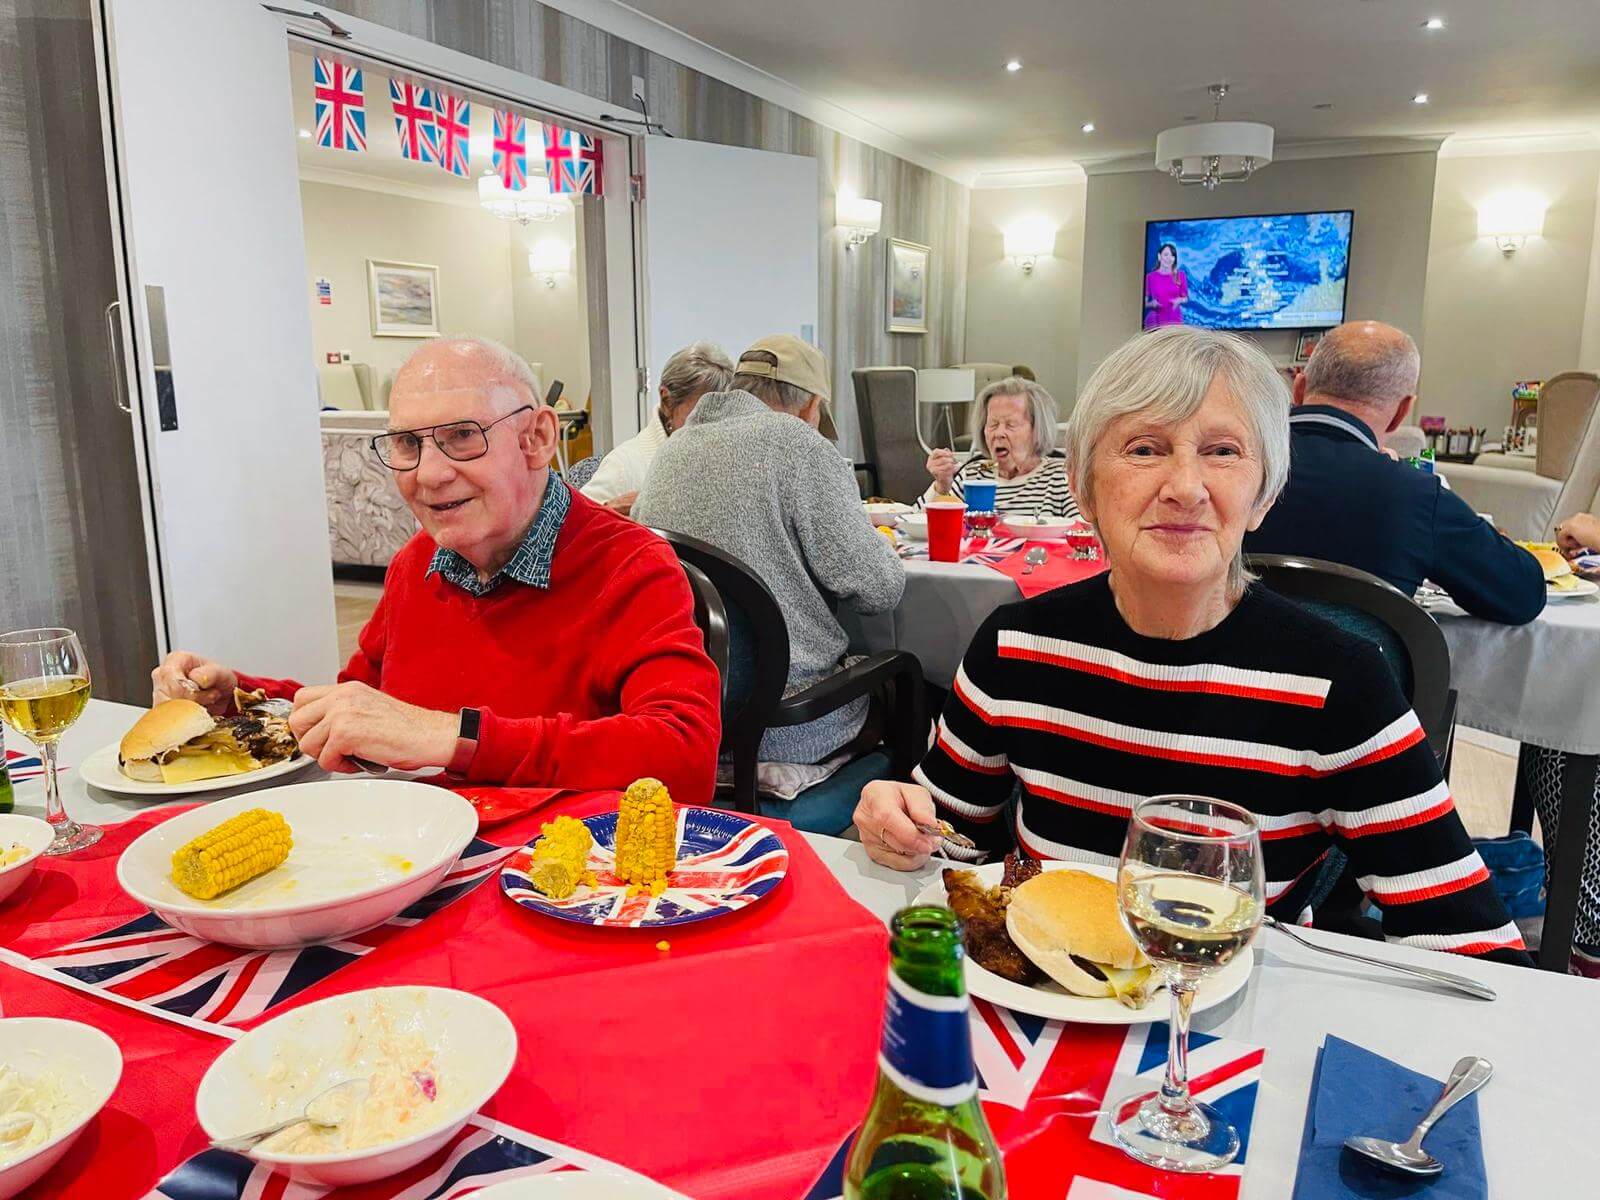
(1349, 502)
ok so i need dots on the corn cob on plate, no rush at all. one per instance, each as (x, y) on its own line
(722, 862)
(300, 864)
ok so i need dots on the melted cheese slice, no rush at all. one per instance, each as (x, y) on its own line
(190, 768)
(1563, 583)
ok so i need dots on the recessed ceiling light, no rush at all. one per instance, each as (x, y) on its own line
(1322, 107)
(1420, 98)
(1433, 23)
(1088, 126)
(305, 133)
(1014, 64)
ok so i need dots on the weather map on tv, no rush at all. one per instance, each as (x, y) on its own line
(1274, 272)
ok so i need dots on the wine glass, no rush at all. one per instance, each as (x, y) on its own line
(44, 684)
(1189, 887)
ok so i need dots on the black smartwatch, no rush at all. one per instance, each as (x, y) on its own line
(466, 742)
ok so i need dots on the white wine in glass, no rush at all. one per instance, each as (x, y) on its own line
(44, 685)
(1190, 891)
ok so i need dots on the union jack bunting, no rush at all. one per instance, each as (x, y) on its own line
(414, 121)
(341, 105)
(511, 150)
(484, 1152)
(572, 160)
(147, 961)
(1045, 1084)
(452, 117)
(24, 766)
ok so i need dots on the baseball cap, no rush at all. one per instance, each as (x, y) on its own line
(799, 364)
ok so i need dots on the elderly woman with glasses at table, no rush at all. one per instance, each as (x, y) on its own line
(1013, 433)
(526, 636)
(1174, 673)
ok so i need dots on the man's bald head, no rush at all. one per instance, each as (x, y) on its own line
(1367, 367)
(470, 364)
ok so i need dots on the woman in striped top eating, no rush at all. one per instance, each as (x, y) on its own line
(1173, 674)
(1013, 432)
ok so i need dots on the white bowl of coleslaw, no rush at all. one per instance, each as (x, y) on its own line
(30, 836)
(55, 1076)
(431, 1057)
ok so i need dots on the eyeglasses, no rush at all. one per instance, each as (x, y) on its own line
(462, 441)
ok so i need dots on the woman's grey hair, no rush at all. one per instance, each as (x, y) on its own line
(770, 391)
(1165, 374)
(1041, 411)
(512, 371)
(698, 367)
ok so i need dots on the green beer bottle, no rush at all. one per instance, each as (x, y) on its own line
(925, 1137)
(5, 776)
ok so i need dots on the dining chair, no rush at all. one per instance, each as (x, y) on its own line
(1571, 778)
(755, 670)
(886, 406)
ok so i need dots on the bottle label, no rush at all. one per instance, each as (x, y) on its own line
(927, 1045)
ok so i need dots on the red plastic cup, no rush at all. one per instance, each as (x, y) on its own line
(946, 522)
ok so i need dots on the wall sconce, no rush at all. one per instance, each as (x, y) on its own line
(859, 218)
(550, 258)
(1029, 240)
(1511, 218)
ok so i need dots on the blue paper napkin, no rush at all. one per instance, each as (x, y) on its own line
(1354, 1091)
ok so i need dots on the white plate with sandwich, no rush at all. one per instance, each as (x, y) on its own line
(1070, 929)
(178, 748)
(1560, 581)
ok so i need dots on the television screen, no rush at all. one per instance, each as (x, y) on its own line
(1273, 272)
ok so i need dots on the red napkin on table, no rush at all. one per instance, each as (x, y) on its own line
(1058, 570)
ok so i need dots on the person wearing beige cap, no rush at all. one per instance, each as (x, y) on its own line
(752, 472)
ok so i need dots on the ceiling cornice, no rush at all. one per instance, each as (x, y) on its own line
(641, 29)
(1030, 177)
(1537, 143)
(461, 198)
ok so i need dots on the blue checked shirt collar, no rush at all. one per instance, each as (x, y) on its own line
(530, 564)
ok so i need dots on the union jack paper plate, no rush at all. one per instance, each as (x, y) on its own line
(725, 863)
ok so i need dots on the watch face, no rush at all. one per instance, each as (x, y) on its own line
(470, 717)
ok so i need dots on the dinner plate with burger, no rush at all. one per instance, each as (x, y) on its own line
(1046, 939)
(178, 748)
(1561, 582)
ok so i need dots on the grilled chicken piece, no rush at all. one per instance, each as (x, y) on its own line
(983, 916)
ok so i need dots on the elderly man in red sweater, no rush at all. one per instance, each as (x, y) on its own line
(526, 636)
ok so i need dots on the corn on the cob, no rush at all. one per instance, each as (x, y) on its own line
(561, 858)
(237, 850)
(647, 836)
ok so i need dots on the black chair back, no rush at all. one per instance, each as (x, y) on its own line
(712, 618)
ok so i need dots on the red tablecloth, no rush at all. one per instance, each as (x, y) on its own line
(729, 1065)
(1057, 570)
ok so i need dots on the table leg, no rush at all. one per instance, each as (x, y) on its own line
(1567, 859)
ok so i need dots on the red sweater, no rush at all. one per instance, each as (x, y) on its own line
(593, 683)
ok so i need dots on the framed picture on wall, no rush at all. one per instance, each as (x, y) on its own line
(1307, 344)
(907, 288)
(405, 298)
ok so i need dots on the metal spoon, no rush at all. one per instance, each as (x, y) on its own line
(329, 1108)
(1459, 983)
(1033, 558)
(1408, 1157)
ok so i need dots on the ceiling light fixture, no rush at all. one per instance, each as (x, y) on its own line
(1215, 152)
(1433, 23)
(1014, 65)
(1420, 98)
(532, 203)
(1088, 126)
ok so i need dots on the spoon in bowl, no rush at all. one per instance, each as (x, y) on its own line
(1408, 1157)
(328, 1109)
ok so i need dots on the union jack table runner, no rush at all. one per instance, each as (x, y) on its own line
(984, 551)
(1047, 1087)
(483, 1153)
(25, 766)
(169, 972)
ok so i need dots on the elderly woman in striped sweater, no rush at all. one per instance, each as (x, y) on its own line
(1172, 674)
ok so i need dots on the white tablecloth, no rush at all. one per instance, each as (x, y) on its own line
(1538, 682)
(1539, 1034)
(943, 605)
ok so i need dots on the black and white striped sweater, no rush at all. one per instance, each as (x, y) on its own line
(1273, 709)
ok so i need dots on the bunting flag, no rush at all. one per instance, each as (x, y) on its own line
(340, 105)
(511, 150)
(414, 121)
(572, 160)
(452, 117)
(24, 766)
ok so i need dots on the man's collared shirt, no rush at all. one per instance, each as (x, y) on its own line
(530, 564)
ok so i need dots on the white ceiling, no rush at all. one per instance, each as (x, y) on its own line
(931, 72)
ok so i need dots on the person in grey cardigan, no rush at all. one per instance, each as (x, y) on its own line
(750, 473)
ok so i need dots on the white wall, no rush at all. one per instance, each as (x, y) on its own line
(485, 286)
(1030, 319)
(1392, 195)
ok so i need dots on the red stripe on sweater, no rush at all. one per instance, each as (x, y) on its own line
(967, 764)
(1433, 891)
(1421, 818)
(1208, 686)
(1488, 947)
(1099, 806)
